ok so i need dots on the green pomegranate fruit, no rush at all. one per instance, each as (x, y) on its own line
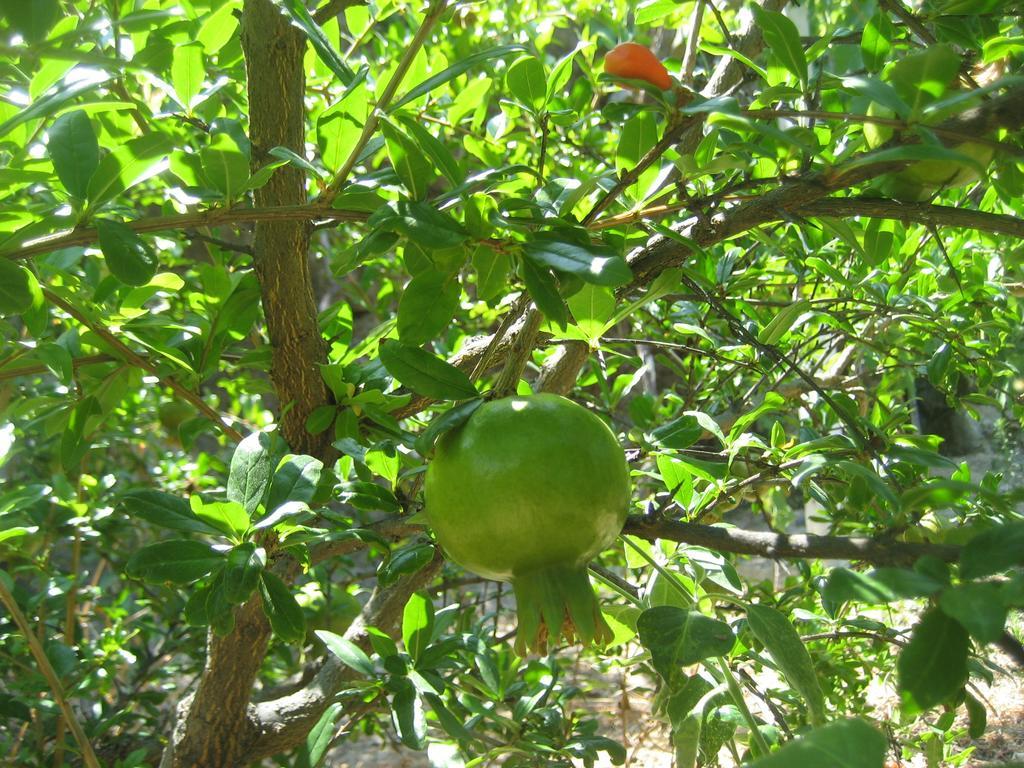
(922, 79)
(528, 490)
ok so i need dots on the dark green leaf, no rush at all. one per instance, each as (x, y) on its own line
(75, 440)
(286, 617)
(678, 434)
(178, 561)
(32, 19)
(427, 306)
(301, 18)
(677, 638)
(842, 744)
(993, 551)
(165, 510)
(312, 753)
(348, 653)
(784, 645)
(978, 608)
(251, 467)
(18, 288)
(933, 666)
(492, 271)
(128, 256)
(74, 151)
(407, 715)
(447, 421)
(408, 160)
(242, 572)
(295, 480)
(404, 562)
(425, 373)
(595, 265)
(543, 289)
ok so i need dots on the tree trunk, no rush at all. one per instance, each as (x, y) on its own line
(218, 725)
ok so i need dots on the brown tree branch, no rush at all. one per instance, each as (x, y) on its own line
(284, 722)
(783, 546)
(125, 353)
(916, 213)
(212, 217)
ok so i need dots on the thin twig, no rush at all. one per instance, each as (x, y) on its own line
(129, 356)
(36, 648)
(437, 8)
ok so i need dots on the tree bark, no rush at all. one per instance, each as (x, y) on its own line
(218, 725)
(274, 50)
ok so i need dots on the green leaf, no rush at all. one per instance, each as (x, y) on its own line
(128, 256)
(427, 306)
(978, 607)
(74, 151)
(783, 38)
(32, 19)
(18, 288)
(464, 64)
(188, 71)
(295, 480)
(242, 571)
(164, 509)
(782, 642)
(407, 714)
(251, 467)
(678, 434)
(48, 105)
(543, 289)
(677, 638)
(404, 562)
(593, 307)
(527, 81)
(421, 223)
(319, 739)
(296, 10)
(417, 624)
(993, 551)
(440, 155)
(74, 442)
(451, 419)
(492, 271)
(228, 517)
(178, 561)
(226, 170)
(424, 373)
(842, 744)
(783, 322)
(593, 264)
(933, 666)
(286, 617)
(126, 166)
(880, 586)
(409, 162)
(876, 40)
(348, 653)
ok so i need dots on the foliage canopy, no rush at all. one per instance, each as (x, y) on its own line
(256, 257)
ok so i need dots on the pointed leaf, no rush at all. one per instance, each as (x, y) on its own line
(178, 561)
(424, 373)
(74, 151)
(128, 256)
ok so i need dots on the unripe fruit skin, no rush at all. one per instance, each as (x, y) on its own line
(526, 483)
(529, 490)
(636, 62)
